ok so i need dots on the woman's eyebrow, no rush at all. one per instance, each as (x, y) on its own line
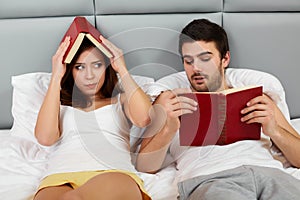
(79, 63)
(97, 61)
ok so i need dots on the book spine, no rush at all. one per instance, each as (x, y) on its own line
(81, 25)
(222, 119)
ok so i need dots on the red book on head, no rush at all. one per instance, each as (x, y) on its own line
(79, 29)
(218, 119)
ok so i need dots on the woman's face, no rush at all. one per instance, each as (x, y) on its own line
(89, 71)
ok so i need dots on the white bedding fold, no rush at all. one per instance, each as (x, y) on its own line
(22, 164)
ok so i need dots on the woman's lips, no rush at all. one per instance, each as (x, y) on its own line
(91, 86)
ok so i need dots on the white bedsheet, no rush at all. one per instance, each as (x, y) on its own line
(22, 163)
(21, 166)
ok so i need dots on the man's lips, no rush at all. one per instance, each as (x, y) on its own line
(199, 79)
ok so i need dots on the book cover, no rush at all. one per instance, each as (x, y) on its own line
(80, 28)
(217, 119)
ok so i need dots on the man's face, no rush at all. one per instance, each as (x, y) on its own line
(204, 66)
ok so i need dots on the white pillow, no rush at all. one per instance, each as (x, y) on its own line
(28, 94)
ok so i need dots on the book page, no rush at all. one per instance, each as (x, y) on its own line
(232, 90)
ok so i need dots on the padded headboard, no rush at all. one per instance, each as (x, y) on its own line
(263, 35)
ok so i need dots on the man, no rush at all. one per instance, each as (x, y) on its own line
(242, 170)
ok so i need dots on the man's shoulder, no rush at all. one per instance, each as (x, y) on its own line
(238, 77)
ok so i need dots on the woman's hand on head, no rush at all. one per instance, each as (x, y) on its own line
(58, 66)
(117, 61)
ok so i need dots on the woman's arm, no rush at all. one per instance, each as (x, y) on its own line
(137, 103)
(47, 126)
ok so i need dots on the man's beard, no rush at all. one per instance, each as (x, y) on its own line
(213, 84)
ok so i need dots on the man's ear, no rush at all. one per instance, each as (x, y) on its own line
(226, 60)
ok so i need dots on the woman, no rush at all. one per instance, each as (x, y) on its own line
(82, 114)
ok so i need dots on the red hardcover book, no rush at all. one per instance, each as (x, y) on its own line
(79, 29)
(217, 120)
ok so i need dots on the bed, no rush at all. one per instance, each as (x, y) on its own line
(263, 35)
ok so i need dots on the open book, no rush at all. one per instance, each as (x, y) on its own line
(218, 118)
(79, 29)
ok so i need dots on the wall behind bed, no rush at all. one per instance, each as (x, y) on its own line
(263, 35)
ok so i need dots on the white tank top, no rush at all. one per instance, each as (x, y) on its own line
(95, 140)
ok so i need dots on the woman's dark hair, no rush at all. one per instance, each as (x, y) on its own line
(204, 30)
(70, 95)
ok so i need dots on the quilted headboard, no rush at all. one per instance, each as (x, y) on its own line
(263, 35)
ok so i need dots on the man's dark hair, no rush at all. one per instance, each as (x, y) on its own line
(204, 30)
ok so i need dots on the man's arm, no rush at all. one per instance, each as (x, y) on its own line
(263, 110)
(165, 123)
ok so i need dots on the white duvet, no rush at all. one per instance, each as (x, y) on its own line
(23, 163)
